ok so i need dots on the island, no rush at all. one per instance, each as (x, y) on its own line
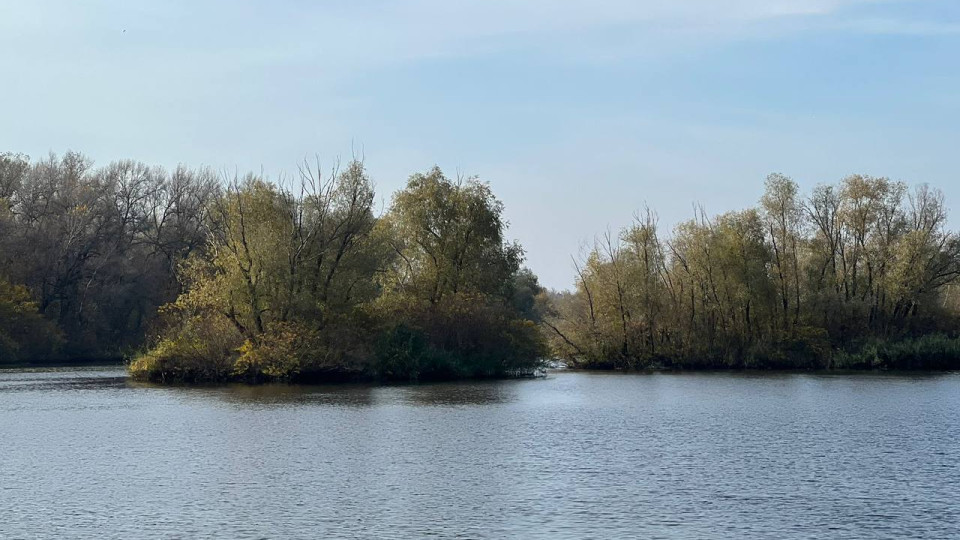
(196, 276)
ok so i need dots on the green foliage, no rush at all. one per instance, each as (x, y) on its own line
(312, 286)
(524, 293)
(403, 352)
(281, 353)
(203, 347)
(448, 236)
(462, 336)
(934, 351)
(251, 280)
(455, 302)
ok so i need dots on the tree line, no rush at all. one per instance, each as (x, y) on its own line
(87, 255)
(857, 274)
(194, 275)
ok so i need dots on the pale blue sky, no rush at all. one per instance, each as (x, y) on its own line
(577, 112)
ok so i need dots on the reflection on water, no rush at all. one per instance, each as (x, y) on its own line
(464, 393)
(86, 454)
(279, 394)
(26, 379)
(460, 394)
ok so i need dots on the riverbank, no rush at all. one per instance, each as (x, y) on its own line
(934, 352)
(930, 353)
(148, 368)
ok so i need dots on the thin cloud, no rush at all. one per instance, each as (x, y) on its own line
(346, 39)
(902, 27)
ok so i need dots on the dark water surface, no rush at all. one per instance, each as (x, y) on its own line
(86, 454)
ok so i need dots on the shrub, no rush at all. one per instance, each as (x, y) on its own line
(934, 351)
(203, 349)
(460, 336)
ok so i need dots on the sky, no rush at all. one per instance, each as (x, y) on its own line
(578, 113)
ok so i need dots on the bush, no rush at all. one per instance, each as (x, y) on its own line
(935, 351)
(404, 353)
(204, 348)
(460, 336)
(292, 351)
(279, 354)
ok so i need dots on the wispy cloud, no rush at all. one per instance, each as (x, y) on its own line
(901, 27)
(417, 29)
(375, 33)
(367, 34)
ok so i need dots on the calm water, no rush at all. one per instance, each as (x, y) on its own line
(86, 454)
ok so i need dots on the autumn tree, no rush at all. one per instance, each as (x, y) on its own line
(451, 294)
(798, 282)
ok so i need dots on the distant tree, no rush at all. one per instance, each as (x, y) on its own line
(98, 248)
(794, 283)
(25, 336)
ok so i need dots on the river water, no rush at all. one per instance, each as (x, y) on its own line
(84, 453)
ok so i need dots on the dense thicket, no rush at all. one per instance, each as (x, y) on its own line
(245, 279)
(308, 284)
(854, 275)
(199, 277)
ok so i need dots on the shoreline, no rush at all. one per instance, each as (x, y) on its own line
(543, 374)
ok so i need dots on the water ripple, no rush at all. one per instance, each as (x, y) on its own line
(86, 454)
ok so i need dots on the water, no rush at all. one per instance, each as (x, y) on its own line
(86, 454)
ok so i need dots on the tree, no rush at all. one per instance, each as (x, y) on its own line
(98, 248)
(25, 336)
(792, 283)
(783, 215)
(454, 301)
(448, 237)
(286, 271)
